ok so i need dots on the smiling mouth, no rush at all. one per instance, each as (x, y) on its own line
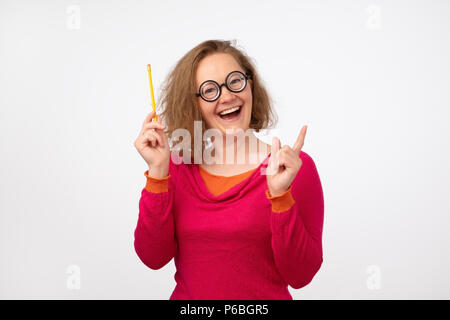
(231, 115)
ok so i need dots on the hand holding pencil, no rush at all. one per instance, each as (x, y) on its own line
(152, 143)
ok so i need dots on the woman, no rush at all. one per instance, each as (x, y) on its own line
(236, 230)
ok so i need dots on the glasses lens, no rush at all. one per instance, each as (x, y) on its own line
(236, 81)
(209, 90)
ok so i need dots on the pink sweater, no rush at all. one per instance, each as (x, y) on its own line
(234, 245)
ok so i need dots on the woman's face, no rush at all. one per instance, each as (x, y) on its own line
(216, 67)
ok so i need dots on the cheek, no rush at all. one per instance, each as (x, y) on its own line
(249, 99)
(207, 110)
(248, 94)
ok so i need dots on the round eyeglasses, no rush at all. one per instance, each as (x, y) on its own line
(210, 90)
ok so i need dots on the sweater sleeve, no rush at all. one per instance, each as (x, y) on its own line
(297, 231)
(154, 236)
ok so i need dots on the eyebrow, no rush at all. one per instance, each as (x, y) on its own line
(219, 82)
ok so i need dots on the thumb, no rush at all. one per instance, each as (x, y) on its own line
(275, 146)
(272, 167)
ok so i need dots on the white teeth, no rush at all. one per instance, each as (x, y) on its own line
(229, 111)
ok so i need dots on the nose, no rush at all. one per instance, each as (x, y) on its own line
(226, 95)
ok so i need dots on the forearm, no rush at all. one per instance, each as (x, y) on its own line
(297, 251)
(155, 242)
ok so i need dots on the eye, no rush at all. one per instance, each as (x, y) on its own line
(209, 90)
(236, 81)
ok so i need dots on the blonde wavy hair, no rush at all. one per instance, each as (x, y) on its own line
(178, 101)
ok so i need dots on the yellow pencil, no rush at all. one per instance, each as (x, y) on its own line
(151, 89)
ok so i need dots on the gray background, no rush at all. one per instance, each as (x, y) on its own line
(371, 79)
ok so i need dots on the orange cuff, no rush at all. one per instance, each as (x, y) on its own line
(157, 185)
(282, 202)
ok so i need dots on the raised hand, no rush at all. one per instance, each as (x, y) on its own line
(284, 163)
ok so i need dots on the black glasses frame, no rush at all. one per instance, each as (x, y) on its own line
(246, 77)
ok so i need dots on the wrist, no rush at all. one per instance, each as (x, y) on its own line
(158, 172)
(276, 193)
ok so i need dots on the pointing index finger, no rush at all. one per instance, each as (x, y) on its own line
(300, 140)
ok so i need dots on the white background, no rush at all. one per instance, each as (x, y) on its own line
(371, 79)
